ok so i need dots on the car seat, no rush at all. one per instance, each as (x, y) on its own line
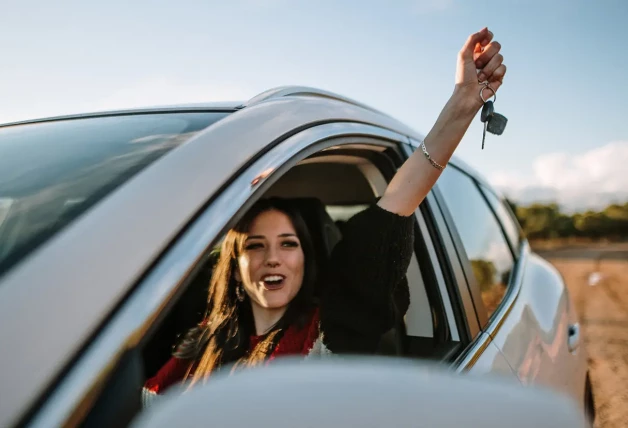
(324, 232)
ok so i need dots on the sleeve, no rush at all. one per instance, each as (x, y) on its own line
(169, 374)
(365, 286)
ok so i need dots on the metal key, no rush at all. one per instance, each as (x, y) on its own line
(496, 124)
(488, 110)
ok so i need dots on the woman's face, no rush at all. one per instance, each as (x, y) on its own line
(271, 264)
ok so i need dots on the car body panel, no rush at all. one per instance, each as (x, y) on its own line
(487, 359)
(534, 335)
(363, 392)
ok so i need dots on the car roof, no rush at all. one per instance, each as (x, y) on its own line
(232, 106)
(224, 106)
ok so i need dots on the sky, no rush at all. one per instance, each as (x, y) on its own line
(565, 93)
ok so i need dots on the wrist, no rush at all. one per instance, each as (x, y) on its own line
(466, 99)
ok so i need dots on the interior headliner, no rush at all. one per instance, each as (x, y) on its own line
(360, 180)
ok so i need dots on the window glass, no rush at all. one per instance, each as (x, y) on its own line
(505, 218)
(52, 172)
(482, 238)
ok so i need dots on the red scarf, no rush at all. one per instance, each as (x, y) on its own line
(295, 341)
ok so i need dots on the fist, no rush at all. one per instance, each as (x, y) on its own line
(480, 60)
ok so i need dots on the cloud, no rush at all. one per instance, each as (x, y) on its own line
(592, 179)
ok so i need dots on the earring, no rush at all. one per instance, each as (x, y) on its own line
(240, 292)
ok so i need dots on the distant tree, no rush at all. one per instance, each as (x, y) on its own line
(546, 221)
(617, 216)
(593, 224)
(540, 221)
(484, 272)
(563, 226)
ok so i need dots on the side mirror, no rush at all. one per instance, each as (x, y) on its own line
(361, 392)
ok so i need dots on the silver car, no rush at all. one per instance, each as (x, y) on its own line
(108, 221)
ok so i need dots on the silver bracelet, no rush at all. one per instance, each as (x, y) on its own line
(429, 158)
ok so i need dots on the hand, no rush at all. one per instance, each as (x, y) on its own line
(479, 52)
(415, 178)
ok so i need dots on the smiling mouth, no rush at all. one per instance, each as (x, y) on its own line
(273, 282)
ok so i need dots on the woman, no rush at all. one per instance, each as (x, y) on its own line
(261, 298)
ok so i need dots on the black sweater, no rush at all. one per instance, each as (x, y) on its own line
(365, 285)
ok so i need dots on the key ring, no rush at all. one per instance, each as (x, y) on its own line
(485, 85)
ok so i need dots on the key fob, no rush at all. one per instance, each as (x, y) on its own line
(488, 109)
(497, 124)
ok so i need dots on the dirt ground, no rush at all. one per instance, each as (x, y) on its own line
(603, 310)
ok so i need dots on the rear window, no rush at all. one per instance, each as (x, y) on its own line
(52, 172)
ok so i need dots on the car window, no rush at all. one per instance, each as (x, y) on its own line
(485, 245)
(52, 172)
(505, 218)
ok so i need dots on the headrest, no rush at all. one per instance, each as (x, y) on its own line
(325, 233)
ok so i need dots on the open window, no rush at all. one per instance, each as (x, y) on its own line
(329, 187)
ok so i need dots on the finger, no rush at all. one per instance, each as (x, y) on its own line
(481, 47)
(488, 70)
(487, 94)
(472, 41)
(490, 51)
(498, 75)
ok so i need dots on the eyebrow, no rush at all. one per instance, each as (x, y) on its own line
(283, 235)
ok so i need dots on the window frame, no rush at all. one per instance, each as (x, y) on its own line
(133, 323)
(488, 324)
(488, 192)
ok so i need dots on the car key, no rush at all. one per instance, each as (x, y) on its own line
(496, 124)
(488, 110)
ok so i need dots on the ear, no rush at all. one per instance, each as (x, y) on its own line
(236, 273)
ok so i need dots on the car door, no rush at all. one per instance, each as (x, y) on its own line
(520, 300)
(547, 319)
(479, 355)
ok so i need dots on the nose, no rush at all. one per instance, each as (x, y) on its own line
(272, 259)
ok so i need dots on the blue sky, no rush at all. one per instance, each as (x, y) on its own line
(565, 93)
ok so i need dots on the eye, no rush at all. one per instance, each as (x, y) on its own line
(290, 243)
(254, 246)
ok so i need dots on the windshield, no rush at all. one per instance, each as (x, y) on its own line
(52, 172)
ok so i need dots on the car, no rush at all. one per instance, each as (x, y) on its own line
(109, 220)
(364, 392)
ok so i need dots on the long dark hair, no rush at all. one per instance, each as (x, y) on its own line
(224, 334)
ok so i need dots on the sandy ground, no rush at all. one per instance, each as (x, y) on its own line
(603, 310)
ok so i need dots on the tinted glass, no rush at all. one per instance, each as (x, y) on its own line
(481, 235)
(52, 172)
(505, 218)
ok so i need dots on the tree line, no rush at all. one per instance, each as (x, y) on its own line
(546, 221)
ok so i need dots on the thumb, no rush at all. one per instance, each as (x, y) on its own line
(483, 36)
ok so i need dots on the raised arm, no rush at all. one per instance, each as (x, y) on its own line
(415, 178)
